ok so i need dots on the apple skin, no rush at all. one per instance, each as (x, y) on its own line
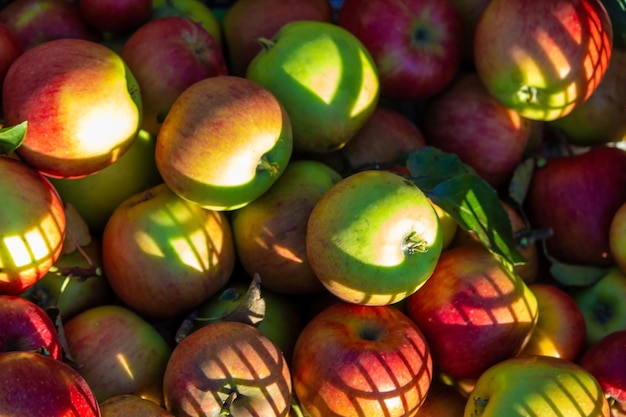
(27, 327)
(421, 54)
(117, 352)
(270, 232)
(125, 405)
(617, 237)
(246, 20)
(602, 305)
(37, 21)
(82, 104)
(584, 189)
(206, 158)
(600, 119)
(155, 46)
(468, 121)
(196, 10)
(606, 360)
(473, 312)
(373, 238)
(537, 68)
(60, 390)
(97, 195)
(115, 16)
(227, 363)
(10, 49)
(536, 386)
(163, 255)
(325, 78)
(561, 328)
(32, 224)
(353, 360)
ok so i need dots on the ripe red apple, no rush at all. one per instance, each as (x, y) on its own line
(416, 44)
(82, 104)
(182, 46)
(227, 368)
(126, 405)
(206, 157)
(115, 16)
(468, 121)
(50, 388)
(353, 360)
(606, 361)
(577, 196)
(542, 59)
(246, 20)
(37, 21)
(473, 312)
(24, 326)
(117, 352)
(32, 221)
(163, 255)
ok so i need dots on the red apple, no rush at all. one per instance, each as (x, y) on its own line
(24, 326)
(182, 47)
(466, 120)
(247, 20)
(81, 102)
(196, 10)
(36, 385)
(606, 361)
(126, 405)
(32, 222)
(473, 312)
(416, 44)
(577, 196)
(227, 368)
(353, 360)
(37, 21)
(10, 49)
(115, 16)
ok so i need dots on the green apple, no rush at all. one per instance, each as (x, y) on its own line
(536, 386)
(224, 142)
(270, 232)
(196, 10)
(373, 238)
(325, 78)
(602, 305)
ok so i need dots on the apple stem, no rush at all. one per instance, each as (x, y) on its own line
(412, 244)
(265, 165)
(265, 42)
(228, 402)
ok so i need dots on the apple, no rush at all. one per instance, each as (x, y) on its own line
(82, 104)
(617, 237)
(10, 49)
(416, 44)
(561, 328)
(542, 59)
(442, 400)
(125, 405)
(115, 16)
(270, 232)
(325, 78)
(354, 360)
(227, 368)
(469, 13)
(182, 46)
(97, 195)
(606, 361)
(473, 311)
(163, 255)
(48, 388)
(26, 327)
(468, 121)
(196, 10)
(536, 386)
(117, 352)
(585, 190)
(37, 21)
(32, 224)
(246, 20)
(602, 305)
(224, 142)
(373, 238)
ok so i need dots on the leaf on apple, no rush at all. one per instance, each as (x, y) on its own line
(472, 202)
(11, 137)
(520, 181)
(574, 275)
(77, 233)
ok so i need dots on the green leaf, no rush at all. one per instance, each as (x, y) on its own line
(11, 137)
(472, 202)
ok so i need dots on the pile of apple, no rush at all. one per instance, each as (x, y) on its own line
(313, 208)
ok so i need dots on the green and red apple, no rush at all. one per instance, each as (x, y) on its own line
(196, 10)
